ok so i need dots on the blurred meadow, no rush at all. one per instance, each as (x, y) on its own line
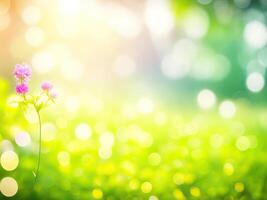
(157, 99)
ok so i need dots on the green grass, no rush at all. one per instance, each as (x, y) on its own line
(188, 153)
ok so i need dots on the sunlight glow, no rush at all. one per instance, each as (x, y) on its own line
(125, 22)
(124, 66)
(158, 14)
(34, 36)
(4, 6)
(42, 62)
(69, 6)
(145, 106)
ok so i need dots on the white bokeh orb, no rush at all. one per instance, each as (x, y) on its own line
(22, 139)
(206, 99)
(255, 82)
(255, 34)
(227, 109)
(83, 131)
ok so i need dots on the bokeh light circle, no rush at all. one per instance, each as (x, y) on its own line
(83, 131)
(195, 191)
(107, 139)
(31, 15)
(243, 143)
(34, 36)
(228, 169)
(63, 158)
(105, 152)
(255, 34)
(154, 159)
(97, 193)
(206, 99)
(227, 109)
(196, 23)
(239, 187)
(8, 186)
(9, 160)
(255, 82)
(146, 187)
(22, 139)
(153, 197)
(158, 14)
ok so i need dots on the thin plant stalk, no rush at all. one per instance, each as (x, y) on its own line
(40, 145)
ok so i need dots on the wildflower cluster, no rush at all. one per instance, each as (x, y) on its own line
(23, 75)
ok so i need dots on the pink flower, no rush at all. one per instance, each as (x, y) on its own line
(46, 86)
(22, 72)
(22, 88)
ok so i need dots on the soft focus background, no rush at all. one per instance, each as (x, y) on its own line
(157, 99)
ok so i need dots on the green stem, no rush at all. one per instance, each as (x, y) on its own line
(40, 145)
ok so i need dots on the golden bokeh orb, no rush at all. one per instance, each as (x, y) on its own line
(9, 160)
(8, 186)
